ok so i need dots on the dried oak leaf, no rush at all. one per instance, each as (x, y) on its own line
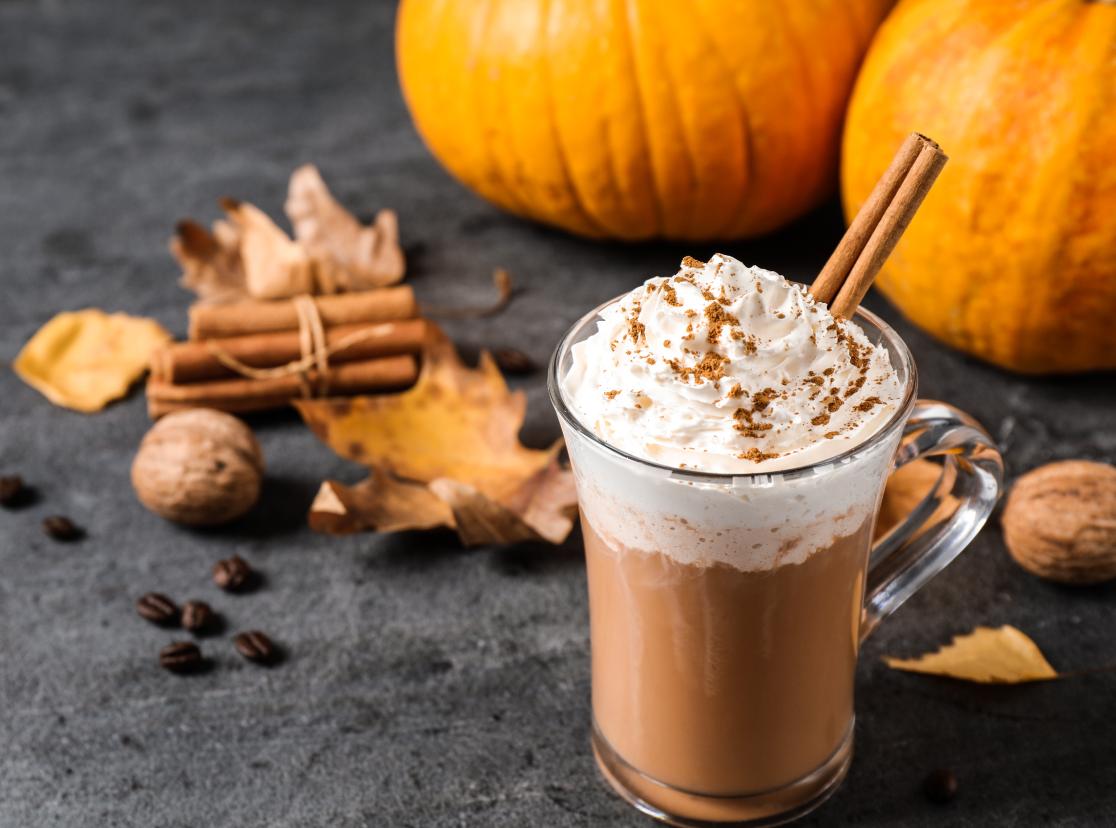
(987, 655)
(86, 359)
(354, 257)
(445, 453)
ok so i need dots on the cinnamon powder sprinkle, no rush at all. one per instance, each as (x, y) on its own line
(710, 367)
(670, 296)
(736, 392)
(717, 317)
(690, 261)
(636, 330)
(855, 386)
(611, 395)
(869, 404)
(757, 456)
(747, 426)
(820, 420)
(762, 399)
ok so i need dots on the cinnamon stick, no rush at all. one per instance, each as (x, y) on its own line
(892, 223)
(836, 270)
(195, 361)
(240, 395)
(241, 318)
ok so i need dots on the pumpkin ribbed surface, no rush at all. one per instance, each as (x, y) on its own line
(686, 119)
(1012, 257)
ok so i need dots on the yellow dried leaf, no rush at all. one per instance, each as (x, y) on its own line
(1001, 655)
(445, 453)
(85, 359)
(360, 257)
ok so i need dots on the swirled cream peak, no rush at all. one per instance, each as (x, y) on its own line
(727, 368)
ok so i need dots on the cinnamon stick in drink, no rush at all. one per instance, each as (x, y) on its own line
(213, 359)
(251, 317)
(921, 177)
(836, 270)
(391, 373)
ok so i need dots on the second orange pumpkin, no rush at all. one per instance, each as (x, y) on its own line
(637, 119)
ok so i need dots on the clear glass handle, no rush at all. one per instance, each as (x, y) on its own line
(947, 519)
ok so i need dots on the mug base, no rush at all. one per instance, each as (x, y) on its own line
(681, 808)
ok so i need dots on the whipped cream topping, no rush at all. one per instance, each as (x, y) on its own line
(728, 368)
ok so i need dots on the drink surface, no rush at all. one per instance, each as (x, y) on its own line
(727, 368)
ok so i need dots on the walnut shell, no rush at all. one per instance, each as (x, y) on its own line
(198, 467)
(1060, 522)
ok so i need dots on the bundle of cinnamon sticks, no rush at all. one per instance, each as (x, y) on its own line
(254, 355)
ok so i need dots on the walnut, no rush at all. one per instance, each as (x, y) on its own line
(198, 467)
(1060, 522)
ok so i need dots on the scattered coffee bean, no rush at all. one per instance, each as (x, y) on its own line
(158, 609)
(232, 574)
(255, 646)
(197, 616)
(511, 361)
(61, 528)
(181, 657)
(940, 785)
(11, 490)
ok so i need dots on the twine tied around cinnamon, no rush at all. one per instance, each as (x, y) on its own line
(312, 367)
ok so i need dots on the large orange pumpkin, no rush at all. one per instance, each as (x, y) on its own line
(1012, 257)
(637, 118)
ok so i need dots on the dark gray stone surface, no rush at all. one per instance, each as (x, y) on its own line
(424, 685)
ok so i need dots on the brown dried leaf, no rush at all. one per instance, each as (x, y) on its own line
(453, 437)
(85, 359)
(274, 266)
(210, 261)
(249, 255)
(987, 655)
(380, 503)
(353, 257)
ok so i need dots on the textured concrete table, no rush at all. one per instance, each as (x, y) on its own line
(425, 685)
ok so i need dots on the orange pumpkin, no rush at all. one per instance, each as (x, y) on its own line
(634, 119)
(1012, 257)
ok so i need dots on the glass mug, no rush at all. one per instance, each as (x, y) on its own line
(727, 610)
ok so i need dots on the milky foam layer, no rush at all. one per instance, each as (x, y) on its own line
(728, 368)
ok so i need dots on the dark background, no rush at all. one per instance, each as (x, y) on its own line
(425, 685)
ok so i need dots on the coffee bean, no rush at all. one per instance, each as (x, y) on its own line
(255, 646)
(158, 609)
(232, 574)
(940, 785)
(197, 616)
(11, 490)
(511, 361)
(181, 657)
(61, 528)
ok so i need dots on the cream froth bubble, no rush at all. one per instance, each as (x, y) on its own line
(731, 369)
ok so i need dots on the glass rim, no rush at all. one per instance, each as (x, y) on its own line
(895, 421)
